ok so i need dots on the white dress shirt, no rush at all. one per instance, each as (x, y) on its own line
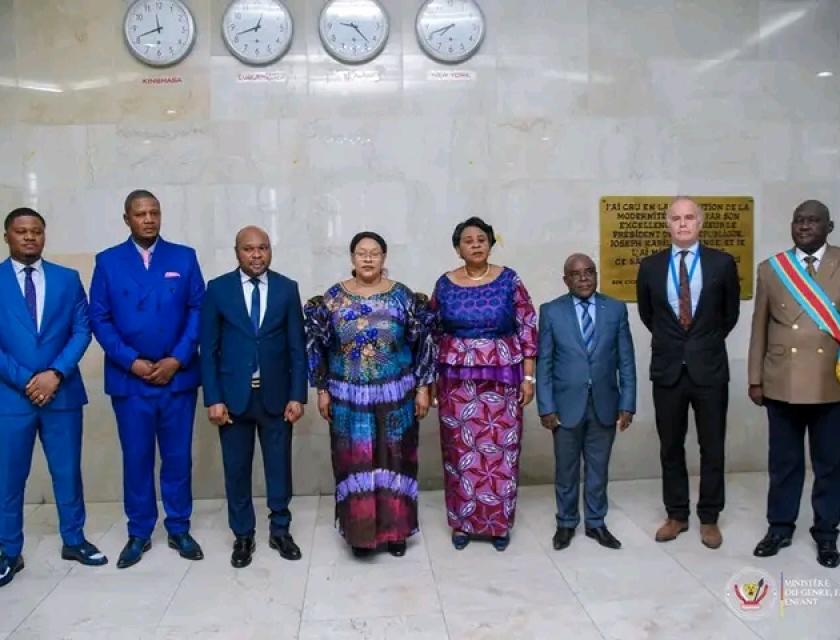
(248, 291)
(39, 282)
(696, 282)
(818, 254)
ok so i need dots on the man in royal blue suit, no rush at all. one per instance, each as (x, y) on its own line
(253, 366)
(145, 308)
(586, 389)
(44, 315)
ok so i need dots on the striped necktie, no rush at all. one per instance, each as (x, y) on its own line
(587, 327)
(810, 261)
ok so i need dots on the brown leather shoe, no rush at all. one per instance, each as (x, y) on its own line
(710, 535)
(670, 530)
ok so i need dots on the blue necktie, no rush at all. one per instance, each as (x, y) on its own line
(587, 326)
(255, 304)
(29, 295)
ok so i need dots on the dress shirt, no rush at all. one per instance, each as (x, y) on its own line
(696, 282)
(39, 281)
(151, 250)
(818, 254)
(248, 291)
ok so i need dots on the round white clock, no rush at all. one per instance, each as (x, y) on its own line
(257, 31)
(354, 31)
(159, 32)
(450, 31)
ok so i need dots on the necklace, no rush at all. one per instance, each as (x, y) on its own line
(479, 278)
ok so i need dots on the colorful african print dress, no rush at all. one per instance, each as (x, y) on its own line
(483, 335)
(371, 354)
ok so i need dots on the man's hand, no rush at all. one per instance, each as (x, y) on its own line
(163, 371)
(756, 393)
(550, 421)
(41, 387)
(218, 414)
(421, 402)
(293, 412)
(142, 368)
(624, 420)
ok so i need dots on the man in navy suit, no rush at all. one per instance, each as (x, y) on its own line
(145, 308)
(253, 366)
(586, 389)
(44, 315)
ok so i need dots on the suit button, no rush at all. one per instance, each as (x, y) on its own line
(820, 350)
(795, 327)
(783, 305)
(793, 350)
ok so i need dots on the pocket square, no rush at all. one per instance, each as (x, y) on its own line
(171, 274)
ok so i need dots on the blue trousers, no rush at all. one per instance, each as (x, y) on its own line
(165, 420)
(593, 442)
(237, 441)
(786, 465)
(61, 436)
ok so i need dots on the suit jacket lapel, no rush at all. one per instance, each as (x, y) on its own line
(572, 317)
(272, 311)
(601, 309)
(825, 273)
(239, 312)
(705, 278)
(52, 297)
(17, 303)
(134, 267)
(663, 277)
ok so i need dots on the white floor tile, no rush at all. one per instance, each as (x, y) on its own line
(424, 627)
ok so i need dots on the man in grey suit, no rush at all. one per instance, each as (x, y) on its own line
(586, 389)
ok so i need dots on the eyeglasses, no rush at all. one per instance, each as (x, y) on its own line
(373, 255)
(579, 275)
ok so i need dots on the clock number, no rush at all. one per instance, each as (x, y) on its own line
(159, 53)
(277, 41)
(256, 52)
(231, 27)
(138, 17)
(137, 40)
(236, 39)
(148, 8)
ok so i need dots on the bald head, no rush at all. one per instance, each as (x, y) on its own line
(253, 251)
(580, 275)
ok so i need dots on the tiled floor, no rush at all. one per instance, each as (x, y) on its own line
(645, 590)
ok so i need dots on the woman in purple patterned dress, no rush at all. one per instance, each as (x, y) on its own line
(371, 357)
(487, 346)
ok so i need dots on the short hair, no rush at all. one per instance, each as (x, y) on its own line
(813, 206)
(22, 212)
(136, 195)
(474, 221)
(697, 208)
(368, 235)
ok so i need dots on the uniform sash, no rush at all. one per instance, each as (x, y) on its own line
(810, 296)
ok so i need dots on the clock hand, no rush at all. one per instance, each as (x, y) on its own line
(442, 30)
(360, 33)
(148, 32)
(157, 22)
(259, 22)
(247, 31)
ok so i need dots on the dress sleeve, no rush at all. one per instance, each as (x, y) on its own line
(318, 329)
(526, 319)
(421, 321)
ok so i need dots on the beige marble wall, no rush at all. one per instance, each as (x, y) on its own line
(567, 101)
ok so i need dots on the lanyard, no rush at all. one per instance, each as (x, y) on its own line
(690, 271)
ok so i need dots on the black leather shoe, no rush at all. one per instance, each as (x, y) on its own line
(243, 551)
(562, 538)
(460, 540)
(85, 553)
(827, 554)
(361, 552)
(186, 546)
(133, 552)
(9, 568)
(770, 545)
(397, 549)
(500, 543)
(602, 536)
(285, 546)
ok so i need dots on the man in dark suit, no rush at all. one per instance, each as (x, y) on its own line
(586, 389)
(44, 315)
(793, 373)
(145, 305)
(689, 299)
(253, 364)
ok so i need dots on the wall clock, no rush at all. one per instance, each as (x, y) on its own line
(159, 32)
(258, 32)
(353, 31)
(450, 31)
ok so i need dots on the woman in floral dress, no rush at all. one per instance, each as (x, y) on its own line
(371, 358)
(487, 345)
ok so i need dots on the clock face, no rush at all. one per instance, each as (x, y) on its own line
(257, 31)
(450, 30)
(354, 31)
(159, 32)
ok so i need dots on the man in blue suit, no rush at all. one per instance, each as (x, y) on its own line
(145, 309)
(253, 366)
(586, 389)
(44, 315)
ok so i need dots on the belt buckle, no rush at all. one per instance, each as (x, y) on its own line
(255, 383)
